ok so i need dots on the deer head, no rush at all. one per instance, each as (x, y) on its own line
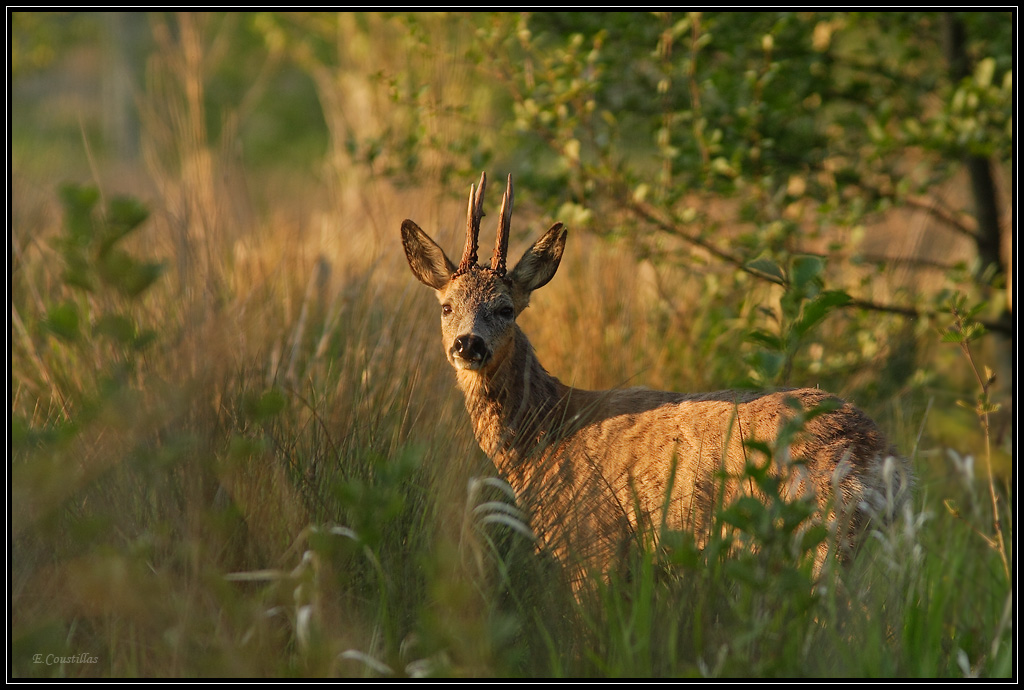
(479, 305)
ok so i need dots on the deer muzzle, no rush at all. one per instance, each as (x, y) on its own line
(469, 352)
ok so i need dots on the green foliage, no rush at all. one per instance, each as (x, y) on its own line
(90, 248)
(803, 306)
(734, 145)
(95, 315)
(98, 339)
(62, 321)
(768, 536)
(372, 503)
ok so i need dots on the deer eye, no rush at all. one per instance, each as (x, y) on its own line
(446, 309)
(507, 312)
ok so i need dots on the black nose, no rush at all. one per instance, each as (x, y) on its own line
(471, 348)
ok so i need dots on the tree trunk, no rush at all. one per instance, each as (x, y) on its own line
(979, 168)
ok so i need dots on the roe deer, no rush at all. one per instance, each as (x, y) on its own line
(591, 467)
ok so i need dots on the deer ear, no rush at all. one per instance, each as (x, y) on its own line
(427, 261)
(540, 261)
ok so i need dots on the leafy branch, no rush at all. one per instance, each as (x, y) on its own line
(962, 331)
(674, 227)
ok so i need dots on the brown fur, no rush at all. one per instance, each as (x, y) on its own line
(593, 466)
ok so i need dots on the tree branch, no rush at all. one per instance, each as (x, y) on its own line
(1003, 325)
(957, 222)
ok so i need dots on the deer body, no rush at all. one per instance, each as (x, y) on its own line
(593, 466)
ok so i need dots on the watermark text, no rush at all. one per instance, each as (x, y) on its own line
(54, 659)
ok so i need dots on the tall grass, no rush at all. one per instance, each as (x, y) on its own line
(281, 488)
(235, 443)
(257, 464)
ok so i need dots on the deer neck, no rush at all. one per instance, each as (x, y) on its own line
(515, 404)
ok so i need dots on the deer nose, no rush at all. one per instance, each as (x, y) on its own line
(470, 348)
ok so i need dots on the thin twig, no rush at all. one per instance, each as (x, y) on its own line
(982, 409)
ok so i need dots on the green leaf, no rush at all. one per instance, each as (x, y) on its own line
(142, 276)
(769, 269)
(743, 572)
(62, 320)
(78, 205)
(143, 340)
(681, 548)
(77, 271)
(794, 513)
(814, 536)
(115, 266)
(767, 364)
(124, 214)
(806, 270)
(119, 328)
(963, 334)
(746, 514)
(760, 446)
(130, 277)
(824, 407)
(765, 339)
(952, 335)
(817, 309)
(265, 406)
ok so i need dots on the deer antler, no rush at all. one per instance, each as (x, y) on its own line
(473, 215)
(501, 246)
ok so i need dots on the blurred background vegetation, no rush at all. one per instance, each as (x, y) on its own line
(236, 445)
